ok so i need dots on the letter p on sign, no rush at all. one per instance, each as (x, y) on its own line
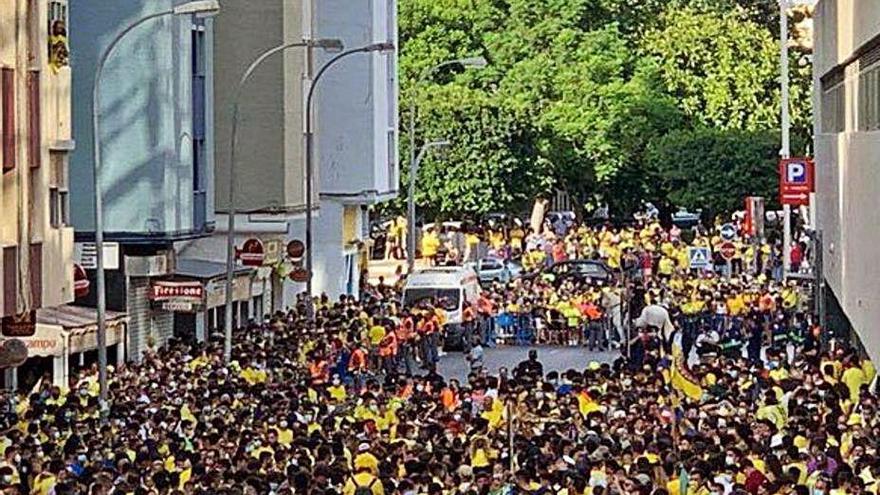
(796, 173)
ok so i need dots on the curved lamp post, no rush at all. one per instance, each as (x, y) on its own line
(469, 63)
(201, 8)
(375, 47)
(327, 44)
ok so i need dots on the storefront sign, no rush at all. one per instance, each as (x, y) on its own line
(295, 250)
(192, 292)
(23, 325)
(148, 266)
(47, 341)
(86, 255)
(241, 291)
(179, 307)
(252, 253)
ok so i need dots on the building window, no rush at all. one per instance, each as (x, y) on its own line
(59, 199)
(869, 99)
(35, 134)
(59, 50)
(7, 106)
(199, 117)
(833, 101)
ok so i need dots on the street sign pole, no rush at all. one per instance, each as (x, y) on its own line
(785, 151)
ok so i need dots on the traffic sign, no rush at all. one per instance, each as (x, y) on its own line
(796, 181)
(699, 258)
(727, 250)
(728, 231)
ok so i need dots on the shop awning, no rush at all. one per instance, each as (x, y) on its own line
(206, 270)
(79, 324)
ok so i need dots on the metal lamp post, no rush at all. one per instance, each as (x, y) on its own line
(374, 47)
(203, 8)
(470, 62)
(327, 44)
(413, 172)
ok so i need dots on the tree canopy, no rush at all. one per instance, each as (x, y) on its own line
(589, 97)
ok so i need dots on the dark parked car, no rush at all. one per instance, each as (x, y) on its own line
(580, 271)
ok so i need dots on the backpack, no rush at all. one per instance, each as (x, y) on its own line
(361, 489)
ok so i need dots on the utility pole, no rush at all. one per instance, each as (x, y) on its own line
(785, 150)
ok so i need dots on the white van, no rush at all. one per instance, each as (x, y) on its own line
(452, 287)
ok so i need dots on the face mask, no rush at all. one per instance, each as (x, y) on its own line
(17, 458)
(82, 458)
(730, 460)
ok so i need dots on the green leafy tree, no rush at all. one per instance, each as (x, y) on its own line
(714, 168)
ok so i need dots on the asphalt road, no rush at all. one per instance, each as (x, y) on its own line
(453, 364)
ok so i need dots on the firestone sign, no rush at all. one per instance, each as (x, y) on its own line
(193, 292)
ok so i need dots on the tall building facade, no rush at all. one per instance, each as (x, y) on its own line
(355, 129)
(36, 239)
(157, 139)
(847, 141)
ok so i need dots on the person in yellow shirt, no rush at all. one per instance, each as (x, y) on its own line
(366, 468)
(430, 245)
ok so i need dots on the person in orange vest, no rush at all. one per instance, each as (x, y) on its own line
(318, 369)
(388, 353)
(357, 365)
(427, 328)
(485, 311)
(468, 322)
(405, 340)
(449, 396)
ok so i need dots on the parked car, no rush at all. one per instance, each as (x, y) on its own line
(580, 271)
(492, 269)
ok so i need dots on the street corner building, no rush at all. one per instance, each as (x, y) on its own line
(36, 235)
(355, 155)
(847, 143)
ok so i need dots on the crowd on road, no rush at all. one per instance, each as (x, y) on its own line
(306, 408)
(351, 402)
(743, 302)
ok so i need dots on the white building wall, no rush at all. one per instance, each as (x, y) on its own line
(848, 170)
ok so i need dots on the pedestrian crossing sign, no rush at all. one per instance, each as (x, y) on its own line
(699, 258)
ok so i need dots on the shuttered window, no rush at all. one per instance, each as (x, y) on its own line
(36, 273)
(35, 134)
(7, 127)
(10, 280)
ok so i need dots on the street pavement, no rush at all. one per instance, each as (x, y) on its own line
(454, 365)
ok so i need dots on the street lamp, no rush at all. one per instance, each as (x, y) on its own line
(201, 8)
(374, 47)
(327, 44)
(468, 63)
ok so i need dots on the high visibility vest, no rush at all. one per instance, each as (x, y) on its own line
(358, 360)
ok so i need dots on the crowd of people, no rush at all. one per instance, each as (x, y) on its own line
(351, 402)
(731, 304)
(306, 407)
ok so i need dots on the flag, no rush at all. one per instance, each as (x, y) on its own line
(684, 383)
(683, 481)
(586, 404)
(679, 376)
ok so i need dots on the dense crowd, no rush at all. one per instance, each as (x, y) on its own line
(306, 408)
(352, 403)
